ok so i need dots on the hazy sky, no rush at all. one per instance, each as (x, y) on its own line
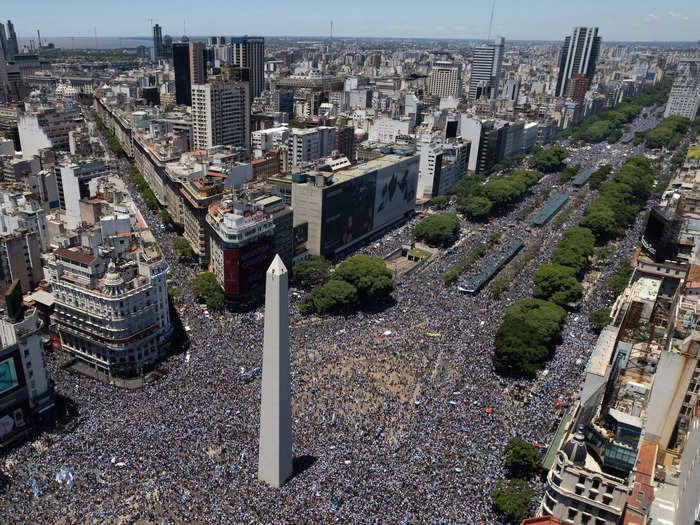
(636, 20)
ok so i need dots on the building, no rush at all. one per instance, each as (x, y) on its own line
(198, 194)
(348, 206)
(441, 165)
(12, 42)
(249, 51)
(3, 42)
(244, 237)
(20, 259)
(157, 49)
(198, 66)
(446, 80)
(181, 65)
(46, 128)
(220, 114)
(307, 145)
(387, 130)
(486, 70)
(346, 143)
(579, 54)
(270, 138)
(25, 391)
(688, 504)
(73, 180)
(18, 212)
(684, 98)
(579, 493)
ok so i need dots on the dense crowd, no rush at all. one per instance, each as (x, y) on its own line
(390, 425)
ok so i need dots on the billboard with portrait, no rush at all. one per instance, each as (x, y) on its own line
(395, 191)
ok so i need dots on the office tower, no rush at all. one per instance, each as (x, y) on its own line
(181, 64)
(12, 43)
(198, 71)
(157, 50)
(3, 78)
(220, 114)
(579, 54)
(3, 41)
(275, 452)
(486, 70)
(685, 92)
(167, 47)
(446, 80)
(249, 51)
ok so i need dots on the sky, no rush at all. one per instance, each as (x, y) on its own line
(628, 20)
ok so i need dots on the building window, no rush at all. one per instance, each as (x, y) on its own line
(579, 490)
(572, 513)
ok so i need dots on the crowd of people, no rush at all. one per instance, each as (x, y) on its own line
(398, 415)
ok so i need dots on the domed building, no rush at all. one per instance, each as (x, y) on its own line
(578, 491)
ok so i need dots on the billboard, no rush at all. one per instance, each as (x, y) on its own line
(395, 191)
(11, 376)
(348, 212)
(244, 268)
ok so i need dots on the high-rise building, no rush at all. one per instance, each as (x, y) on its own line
(3, 78)
(157, 49)
(684, 98)
(3, 41)
(446, 80)
(198, 68)
(12, 43)
(249, 51)
(486, 70)
(167, 47)
(181, 64)
(220, 114)
(579, 54)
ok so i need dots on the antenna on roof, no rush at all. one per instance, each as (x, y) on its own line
(493, 6)
(95, 30)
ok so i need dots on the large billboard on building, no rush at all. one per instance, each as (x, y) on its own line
(348, 212)
(244, 268)
(395, 191)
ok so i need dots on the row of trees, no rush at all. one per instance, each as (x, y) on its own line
(478, 201)
(619, 200)
(149, 198)
(531, 327)
(358, 281)
(438, 230)
(606, 125)
(454, 271)
(111, 138)
(512, 498)
(667, 134)
(207, 287)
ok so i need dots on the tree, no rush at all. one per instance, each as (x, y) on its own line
(368, 275)
(599, 176)
(315, 271)
(512, 499)
(182, 248)
(522, 458)
(440, 202)
(600, 318)
(166, 218)
(438, 230)
(334, 296)
(206, 286)
(557, 283)
(474, 208)
(549, 160)
(526, 336)
(617, 282)
(600, 219)
(569, 173)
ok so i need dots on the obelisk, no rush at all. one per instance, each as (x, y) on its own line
(275, 453)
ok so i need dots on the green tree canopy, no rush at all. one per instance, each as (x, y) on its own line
(315, 271)
(207, 287)
(368, 275)
(522, 458)
(549, 160)
(334, 296)
(182, 248)
(512, 499)
(600, 318)
(475, 208)
(557, 283)
(438, 230)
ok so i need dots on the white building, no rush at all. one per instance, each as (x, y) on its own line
(684, 98)
(221, 114)
(306, 145)
(446, 80)
(271, 138)
(441, 165)
(386, 130)
(16, 211)
(74, 183)
(688, 504)
(47, 128)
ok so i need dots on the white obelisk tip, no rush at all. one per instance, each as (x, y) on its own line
(277, 267)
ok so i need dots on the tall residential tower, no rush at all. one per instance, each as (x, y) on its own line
(579, 55)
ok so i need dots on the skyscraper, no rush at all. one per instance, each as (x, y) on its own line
(198, 70)
(12, 44)
(220, 114)
(486, 70)
(275, 451)
(579, 54)
(3, 41)
(181, 64)
(249, 51)
(157, 50)
(167, 46)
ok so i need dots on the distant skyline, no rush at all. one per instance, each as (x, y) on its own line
(618, 20)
